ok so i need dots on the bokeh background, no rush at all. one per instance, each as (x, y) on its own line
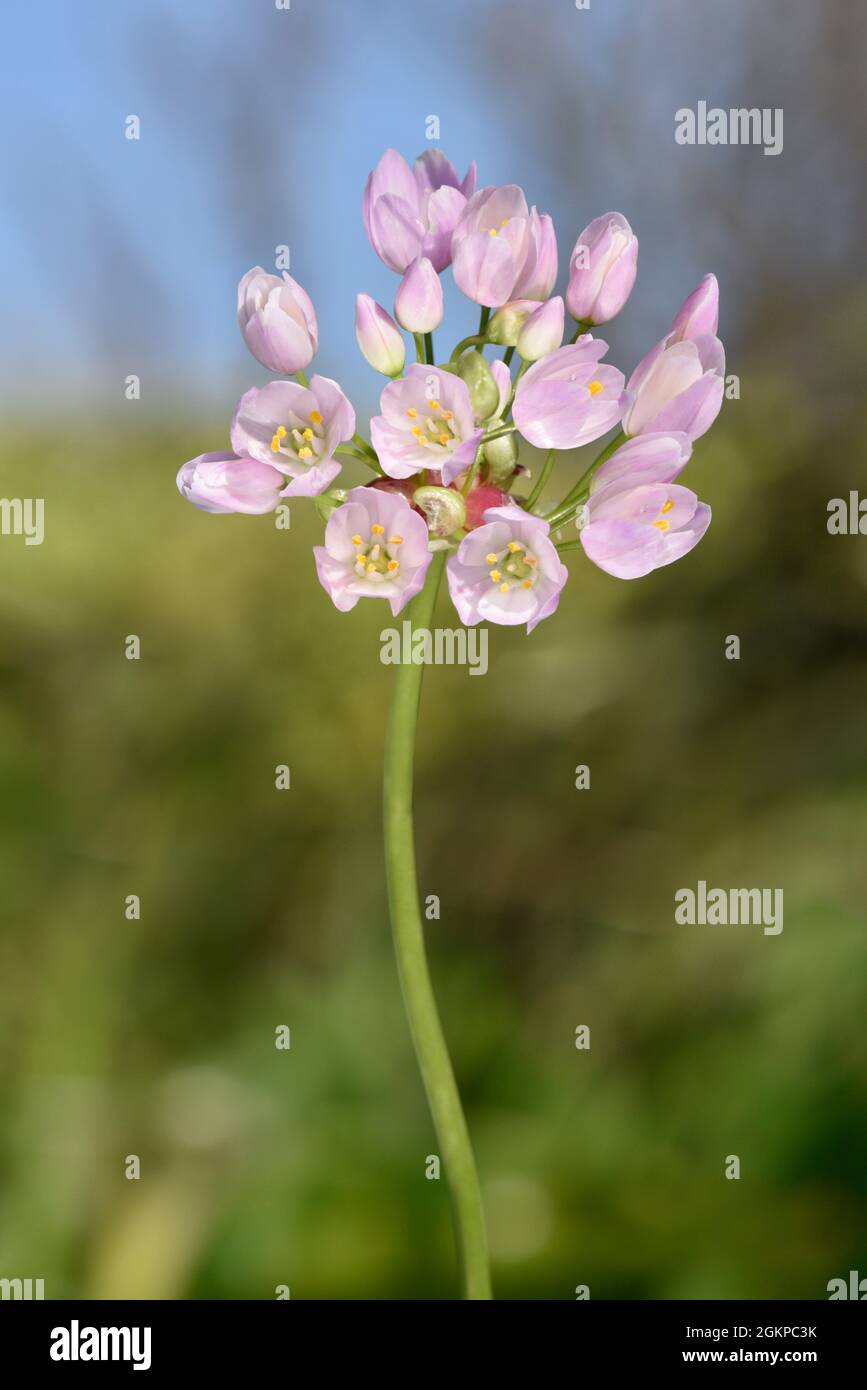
(156, 777)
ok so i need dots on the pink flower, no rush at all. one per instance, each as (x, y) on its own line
(296, 430)
(677, 386)
(378, 337)
(648, 458)
(699, 312)
(630, 531)
(412, 212)
(225, 482)
(542, 332)
(376, 546)
(426, 423)
(568, 398)
(602, 269)
(418, 304)
(277, 320)
(507, 571)
(502, 250)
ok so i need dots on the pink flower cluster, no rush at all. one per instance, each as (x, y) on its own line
(445, 445)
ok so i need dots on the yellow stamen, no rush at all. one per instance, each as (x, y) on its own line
(491, 559)
(395, 540)
(434, 405)
(667, 506)
(393, 565)
(356, 540)
(376, 529)
(661, 525)
(496, 576)
(504, 588)
(448, 414)
(315, 417)
(594, 387)
(492, 231)
(527, 584)
(412, 412)
(513, 546)
(305, 453)
(308, 435)
(371, 569)
(443, 438)
(505, 222)
(416, 431)
(275, 444)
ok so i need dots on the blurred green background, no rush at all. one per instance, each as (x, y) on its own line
(259, 908)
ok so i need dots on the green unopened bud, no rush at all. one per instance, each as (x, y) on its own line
(501, 455)
(444, 509)
(328, 502)
(483, 389)
(507, 322)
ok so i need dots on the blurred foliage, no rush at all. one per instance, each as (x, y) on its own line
(259, 907)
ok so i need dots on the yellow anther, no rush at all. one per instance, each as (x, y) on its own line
(434, 405)
(661, 525)
(527, 584)
(275, 443)
(443, 438)
(505, 222)
(412, 412)
(315, 417)
(504, 588)
(371, 569)
(308, 434)
(594, 387)
(416, 431)
(448, 414)
(530, 560)
(496, 576)
(395, 540)
(356, 540)
(667, 506)
(491, 559)
(305, 453)
(393, 565)
(376, 529)
(513, 546)
(492, 231)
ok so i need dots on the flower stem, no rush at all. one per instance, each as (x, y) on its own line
(429, 349)
(465, 343)
(407, 928)
(542, 479)
(572, 500)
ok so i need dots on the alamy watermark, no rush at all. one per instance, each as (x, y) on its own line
(732, 907)
(739, 126)
(25, 1289)
(23, 516)
(444, 646)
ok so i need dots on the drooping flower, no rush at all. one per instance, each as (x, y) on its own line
(277, 320)
(418, 304)
(378, 337)
(630, 531)
(228, 482)
(507, 571)
(376, 546)
(648, 458)
(542, 332)
(699, 312)
(678, 386)
(569, 397)
(502, 250)
(602, 269)
(426, 423)
(412, 212)
(296, 430)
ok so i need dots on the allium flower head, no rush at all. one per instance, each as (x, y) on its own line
(412, 212)
(277, 320)
(569, 397)
(427, 422)
(296, 430)
(507, 571)
(376, 546)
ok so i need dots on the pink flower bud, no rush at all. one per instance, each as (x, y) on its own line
(602, 269)
(543, 331)
(378, 337)
(418, 304)
(699, 312)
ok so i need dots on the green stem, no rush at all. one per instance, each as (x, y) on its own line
(568, 545)
(419, 346)
(575, 496)
(407, 928)
(465, 343)
(301, 377)
(544, 474)
(362, 458)
(508, 355)
(428, 349)
(498, 432)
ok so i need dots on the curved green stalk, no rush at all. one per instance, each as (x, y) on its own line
(408, 931)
